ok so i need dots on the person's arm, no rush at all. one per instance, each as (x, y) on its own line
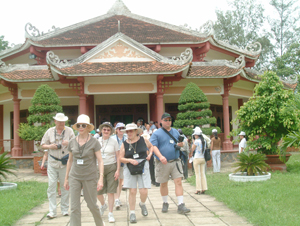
(101, 170)
(45, 157)
(69, 165)
(159, 155)
(150, 147)
(117, 173)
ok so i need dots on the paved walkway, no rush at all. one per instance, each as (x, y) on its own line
(205, 210)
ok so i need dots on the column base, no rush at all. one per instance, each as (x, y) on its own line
(227, 145)
(16, 151)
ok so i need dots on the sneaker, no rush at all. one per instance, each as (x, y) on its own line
(117, 204)
(65, 214)
(165, 207)
(144, 210)
(102, 209)
(111, 218)
(50, 216)
(132, 218)
(182, 209)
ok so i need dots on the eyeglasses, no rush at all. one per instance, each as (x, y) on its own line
(168, 120)
(120, 128)
(81, 125)
(108, 130)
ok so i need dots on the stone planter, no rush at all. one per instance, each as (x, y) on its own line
(36, 166)
(8, 186)
(275, 163)
(242, 177)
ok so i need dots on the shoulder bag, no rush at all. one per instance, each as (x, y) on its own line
(136, 169)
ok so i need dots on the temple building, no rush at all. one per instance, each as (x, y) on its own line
(123, 67)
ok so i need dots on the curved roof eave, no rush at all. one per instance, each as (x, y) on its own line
(16, 49)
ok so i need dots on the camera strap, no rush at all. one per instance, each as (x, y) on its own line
(167, 132)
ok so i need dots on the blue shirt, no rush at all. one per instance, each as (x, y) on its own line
(162, 141)
(153, 127)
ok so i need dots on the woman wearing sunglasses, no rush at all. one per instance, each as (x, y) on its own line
(84, 152)
(110, 157)
(134, 151)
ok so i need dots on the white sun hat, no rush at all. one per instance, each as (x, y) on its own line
(60, 117)
(214, 131)
(197, 131)
(133, 126)
(84, 119)
(242, 133)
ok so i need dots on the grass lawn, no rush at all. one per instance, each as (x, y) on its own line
(272, 202)
(15, 203)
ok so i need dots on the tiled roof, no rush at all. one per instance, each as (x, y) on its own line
(25, 74)
(212, 71)
(121, 68)
(97, 32)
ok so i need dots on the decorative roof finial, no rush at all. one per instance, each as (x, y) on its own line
(119, 8)
(119, 26)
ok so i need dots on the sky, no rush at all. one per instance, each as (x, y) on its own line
(15, 14)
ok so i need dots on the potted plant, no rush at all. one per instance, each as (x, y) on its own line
(251, 167)
(6, 168)
(45, 104)
(265, 118)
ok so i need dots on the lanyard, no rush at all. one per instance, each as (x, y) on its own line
(62, 134)
(105, 145)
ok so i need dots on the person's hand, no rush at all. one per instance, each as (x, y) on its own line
(100, 184)
(52, 146)
(180, 144)
(66, 185)
(65, 142)
(117, 173)
(149, 156)
(42, 166)
(134, 162)
(163, 160)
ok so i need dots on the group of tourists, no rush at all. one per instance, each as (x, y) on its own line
(92, 166)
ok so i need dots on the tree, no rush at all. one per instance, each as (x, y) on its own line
(285, 28)
(194, 111)
(243, 25)
(268, 115)
(45, 104)
(3, 44)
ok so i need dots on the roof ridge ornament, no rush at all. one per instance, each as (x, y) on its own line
(32, 31)
(54, 59)
(292, 79)
(119, 8)
(184, 58)
(3, 66)
(238, 63)
(254, 47)
(206, 29)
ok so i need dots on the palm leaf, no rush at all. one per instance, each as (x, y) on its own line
(6, 166)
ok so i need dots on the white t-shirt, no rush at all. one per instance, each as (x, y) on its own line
(242, 144)
(108, 150)
(198, 151)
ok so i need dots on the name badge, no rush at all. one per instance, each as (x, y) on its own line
(103, 156)
(171, 141)
(80, 161)
(135, 156)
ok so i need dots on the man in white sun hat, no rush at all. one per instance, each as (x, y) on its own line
(56, 140)
(243, 142)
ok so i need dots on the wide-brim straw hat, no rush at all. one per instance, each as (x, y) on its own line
(133, 126)
(84, 119)
(107, 124)
(60, 117)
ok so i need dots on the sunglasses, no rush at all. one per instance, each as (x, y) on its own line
(120, 128)
(108, 130)
(81, 125)
(129, 131)
(168, 120)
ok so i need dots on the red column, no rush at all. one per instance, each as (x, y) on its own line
(16, 150)
(90, 101)
(227, 144)
(159, 98)
(82, 104)
(240, 103)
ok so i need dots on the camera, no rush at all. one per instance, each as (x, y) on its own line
(180, 139)
(58, 146)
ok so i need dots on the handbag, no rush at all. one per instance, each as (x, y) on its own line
(64, 160)
(207, 155)
(136, 169)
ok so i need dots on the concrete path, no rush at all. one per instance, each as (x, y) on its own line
(205, 210)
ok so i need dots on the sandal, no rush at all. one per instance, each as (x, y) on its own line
(197, 193)
(202, 192)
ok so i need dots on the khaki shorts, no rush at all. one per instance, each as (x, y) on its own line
(109, 183)
(137, 181)
(163, 172)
